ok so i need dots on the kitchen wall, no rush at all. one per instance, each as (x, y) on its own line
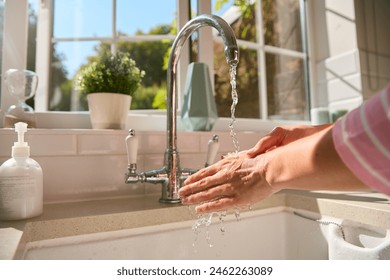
(90, 164)
(336, 57)
(344, 32)
(373, 37)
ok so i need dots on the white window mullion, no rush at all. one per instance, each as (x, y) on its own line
(206, 41)
(183, 9)
(114, 34)
(270, 49)
(286, 52)
(135, 38)
(14, 51)
(315, 101)
(262, 74)
(305, 44)
(43, 54)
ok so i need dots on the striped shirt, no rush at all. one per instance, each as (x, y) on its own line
(362, 140)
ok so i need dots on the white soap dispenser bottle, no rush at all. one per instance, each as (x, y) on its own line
(21, 182)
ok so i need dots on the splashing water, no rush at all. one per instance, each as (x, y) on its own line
(237, 214)
(222, 215)
(233, 83)
(205, 220)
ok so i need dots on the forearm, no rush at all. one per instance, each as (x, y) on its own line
(310, 163)
(283, 135)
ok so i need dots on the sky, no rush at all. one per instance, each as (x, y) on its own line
(90, 18)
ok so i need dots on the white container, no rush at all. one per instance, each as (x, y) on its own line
(108, 110)
(21, 182)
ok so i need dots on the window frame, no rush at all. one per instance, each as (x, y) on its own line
(44, 43)
(46, 39)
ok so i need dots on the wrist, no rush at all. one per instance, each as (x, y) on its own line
(272, 167)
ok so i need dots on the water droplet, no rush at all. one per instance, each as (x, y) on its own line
(208, 239)
(237, 214)
(221, 217)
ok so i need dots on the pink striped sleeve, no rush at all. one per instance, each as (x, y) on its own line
(362, 140)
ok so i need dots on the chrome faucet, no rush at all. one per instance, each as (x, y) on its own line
(171, 175)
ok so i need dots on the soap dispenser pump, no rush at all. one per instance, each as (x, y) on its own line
(21, 182)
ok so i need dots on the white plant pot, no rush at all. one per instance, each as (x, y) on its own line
(108, 110)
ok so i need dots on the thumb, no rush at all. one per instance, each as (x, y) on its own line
(270, 141)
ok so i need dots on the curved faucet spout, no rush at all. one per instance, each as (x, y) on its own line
(231, 54)
(172, 162)
(171, 176)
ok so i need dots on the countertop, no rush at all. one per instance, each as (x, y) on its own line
(75, 218)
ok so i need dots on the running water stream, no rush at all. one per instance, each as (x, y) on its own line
(205, 220)
(233, 83)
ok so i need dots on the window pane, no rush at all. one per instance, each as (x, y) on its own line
(66, 59)
(149, 57)
(32, 33)
(86, 18)
(281, 23)
(247, 84)
(240, 16)
(82, 18)
(285, 87)
(141, 17)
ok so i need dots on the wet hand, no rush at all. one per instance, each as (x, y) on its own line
(283, 135)
(235, 182)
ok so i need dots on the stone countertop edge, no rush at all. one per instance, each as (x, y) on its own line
(76, 218)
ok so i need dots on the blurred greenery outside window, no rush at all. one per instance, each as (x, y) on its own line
(271, 74)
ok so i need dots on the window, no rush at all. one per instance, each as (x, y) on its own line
(272, 73)
(81, 30)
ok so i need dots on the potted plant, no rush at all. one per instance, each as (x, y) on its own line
(109, 84)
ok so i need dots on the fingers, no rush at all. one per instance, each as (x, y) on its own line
(211, 176)
(270, 141)
(203, 184)
(233, 182)
(219, 194)
(213, 192)
(216, 205)
(202, 173)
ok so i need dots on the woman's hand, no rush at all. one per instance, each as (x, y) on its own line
(234, 182)
(283, 135)
(309, 162)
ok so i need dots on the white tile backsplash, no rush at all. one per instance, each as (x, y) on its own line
(101, 144)
(86, 177)
(348, 87)
(338, 66)
(340, 81)
(90, 164)
(43, 142)
(53, 145)
(151, 143)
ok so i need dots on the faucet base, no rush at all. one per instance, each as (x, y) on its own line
(170, 201)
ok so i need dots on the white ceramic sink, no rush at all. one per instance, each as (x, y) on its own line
(275, 233)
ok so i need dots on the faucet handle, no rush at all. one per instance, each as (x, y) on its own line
(213, 147)
(132, 147)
